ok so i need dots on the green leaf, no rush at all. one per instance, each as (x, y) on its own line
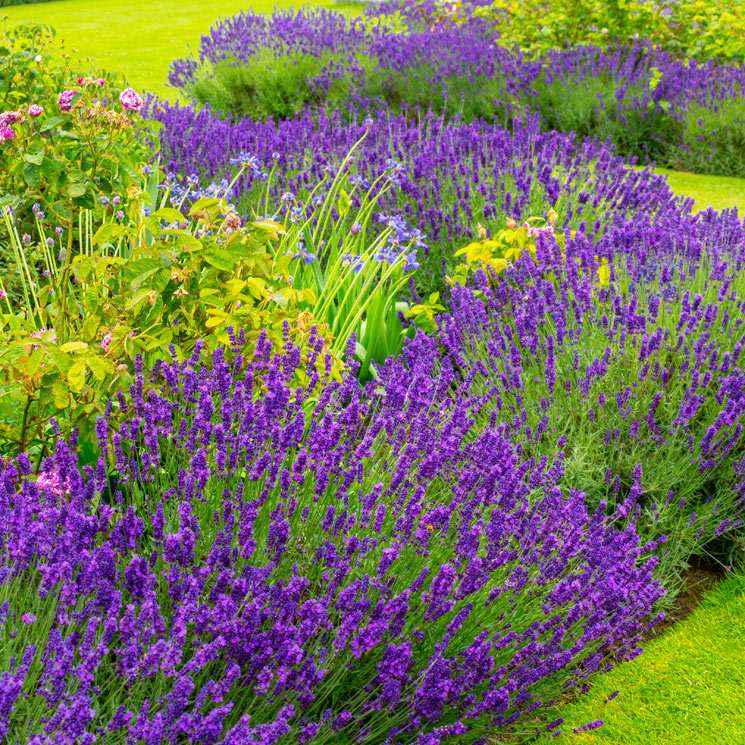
(61, 394)
(154, 313)
(32, 175)
(63, 361)
(152, 223)
(34, 361)
(140, 271)
(256, 287)
(219, 258)
(106, 232)
(76, 375)
(203, 204)
(86, 200)
(52, 122)
(49, 167)
(76, 190)
(214, 321)
(160, 279)
(135, 299)
(186, 238)
(90, 327)
(73, 346)
(64, 134)
(99, 367)
(168, 213)
(34, 158)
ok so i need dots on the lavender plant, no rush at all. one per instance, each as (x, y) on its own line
(645, 98)
(369, 568)
(452, 176)
(629, 353)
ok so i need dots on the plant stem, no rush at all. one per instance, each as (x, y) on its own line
(24, 425)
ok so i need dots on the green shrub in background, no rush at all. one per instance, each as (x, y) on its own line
(713, 141)
(704, 29)
(8, 3)
(269, 86)
(75, 138)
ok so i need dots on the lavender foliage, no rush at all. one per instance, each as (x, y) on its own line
(640, 380)
(452, 175)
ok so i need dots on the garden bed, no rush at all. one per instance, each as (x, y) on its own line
(341, 410)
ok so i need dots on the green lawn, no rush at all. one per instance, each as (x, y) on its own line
(687, 688)
(719, 192)
(139, 39)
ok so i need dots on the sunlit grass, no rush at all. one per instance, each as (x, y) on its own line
(139, 39)
(685, 688)
(719, 192)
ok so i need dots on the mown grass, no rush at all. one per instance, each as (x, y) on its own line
(139, 39)
(719, 192)
(685, 689)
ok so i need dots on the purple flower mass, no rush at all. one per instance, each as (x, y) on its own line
(65, 99)
(253, 571)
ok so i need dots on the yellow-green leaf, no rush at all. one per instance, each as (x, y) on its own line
(73, 346)
(76, 375)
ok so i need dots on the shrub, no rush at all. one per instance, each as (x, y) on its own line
(71, 139)
(183, 267)
(704, 29)
(453, 175)
(713, 140)
(370, 570)
(628, 355)
(141, 285)
(639, 95)
(67, 141)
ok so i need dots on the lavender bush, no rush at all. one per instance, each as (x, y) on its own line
(452, 176)
(366, 567)
(648, 101)
(638, 375)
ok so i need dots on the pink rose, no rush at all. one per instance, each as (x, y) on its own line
(50, 482)
(3, 294)
(65, 98)
(80, 81)
(101, 82)
(6, 133)
(35, 110)
(130, 99)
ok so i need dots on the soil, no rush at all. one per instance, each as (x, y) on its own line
(701, 577)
